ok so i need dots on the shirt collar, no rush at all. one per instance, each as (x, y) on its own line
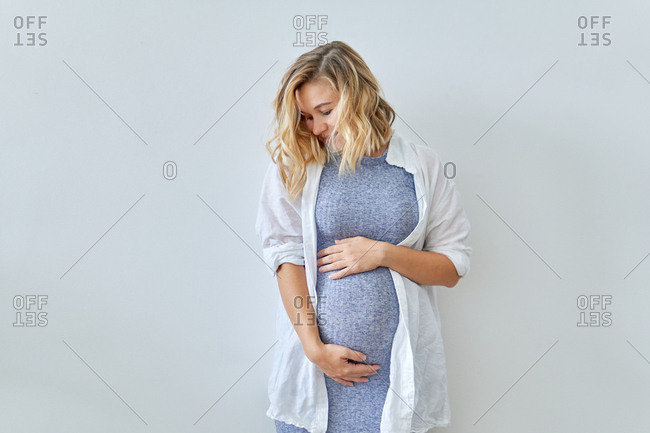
(400, 153)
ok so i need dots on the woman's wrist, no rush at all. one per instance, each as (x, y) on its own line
(313, 348)
(386, 249)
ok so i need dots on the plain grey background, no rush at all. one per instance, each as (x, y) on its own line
(160, 312)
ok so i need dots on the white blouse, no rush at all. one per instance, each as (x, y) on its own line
(417, 399)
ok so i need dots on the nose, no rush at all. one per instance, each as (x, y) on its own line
(319, 127)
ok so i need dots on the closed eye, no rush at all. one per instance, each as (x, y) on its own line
(302, 116)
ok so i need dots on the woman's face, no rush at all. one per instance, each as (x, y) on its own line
(318, 104)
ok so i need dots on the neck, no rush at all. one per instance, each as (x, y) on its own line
(381, 150)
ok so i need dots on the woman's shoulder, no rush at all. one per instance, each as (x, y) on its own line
(425, 157)
(427, 154)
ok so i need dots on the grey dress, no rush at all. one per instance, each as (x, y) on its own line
(360, 310)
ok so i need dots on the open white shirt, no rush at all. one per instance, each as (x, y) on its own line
(417, 398)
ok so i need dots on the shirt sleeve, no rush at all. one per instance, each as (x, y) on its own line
(447, 226)
(278, 223)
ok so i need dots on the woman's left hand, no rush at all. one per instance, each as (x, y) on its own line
(351, 255)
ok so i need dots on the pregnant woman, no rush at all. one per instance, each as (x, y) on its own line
(340, 200)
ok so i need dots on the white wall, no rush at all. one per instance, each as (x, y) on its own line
(158, 304)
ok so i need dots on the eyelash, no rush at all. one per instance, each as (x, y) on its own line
(302, 116)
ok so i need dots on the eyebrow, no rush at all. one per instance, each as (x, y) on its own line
(319, 105)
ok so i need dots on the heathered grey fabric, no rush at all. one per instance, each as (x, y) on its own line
(360, 311)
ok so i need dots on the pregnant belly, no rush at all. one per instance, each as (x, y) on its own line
(359, 311)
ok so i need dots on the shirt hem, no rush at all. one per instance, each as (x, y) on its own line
(291, 421)
(430, 426)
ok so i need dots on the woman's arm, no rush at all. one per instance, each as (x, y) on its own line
(292, 282)
(361, 254)
(332, 359)
(424, 267)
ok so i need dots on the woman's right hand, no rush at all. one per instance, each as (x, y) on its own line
(342, 364)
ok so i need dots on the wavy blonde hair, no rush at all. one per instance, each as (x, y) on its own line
(364, 117)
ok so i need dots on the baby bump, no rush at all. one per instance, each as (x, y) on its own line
(359, 311)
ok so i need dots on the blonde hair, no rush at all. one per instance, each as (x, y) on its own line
(364, 117)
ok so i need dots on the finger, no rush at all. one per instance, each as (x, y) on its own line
(361, 379)
(367, 369)
(356, 356)
(335, 276)
(350, 371)
(355, 371)
(326, 259)
(374, 369)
